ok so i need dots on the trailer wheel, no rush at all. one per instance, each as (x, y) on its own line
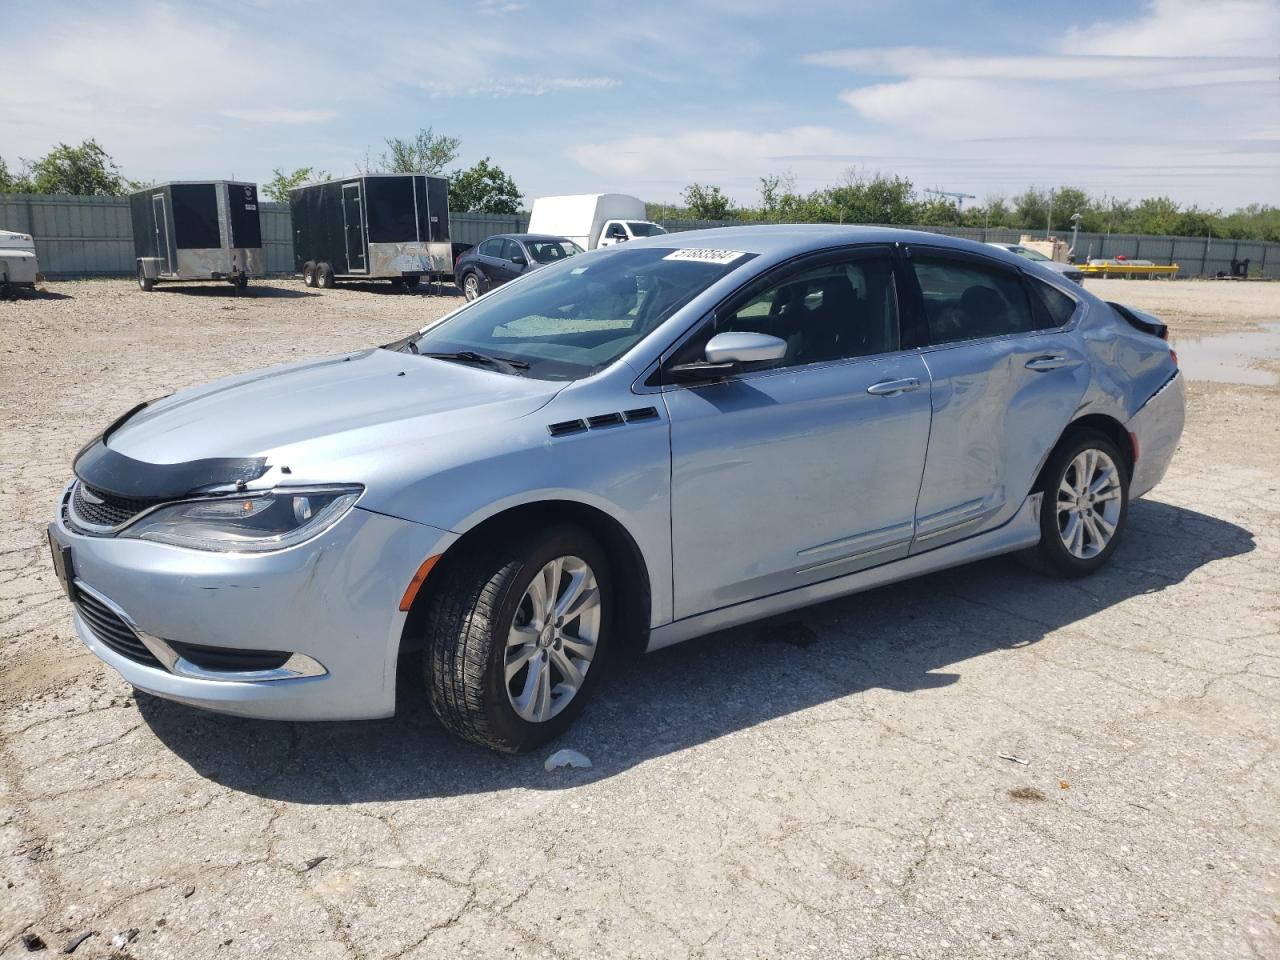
(144, 282)
(309, 273)
(412, 282)
(324, 276)
(241, 283)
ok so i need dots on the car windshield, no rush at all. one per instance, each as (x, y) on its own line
(640, 228)
(1028, 253)
(549, 251)
(570, 320)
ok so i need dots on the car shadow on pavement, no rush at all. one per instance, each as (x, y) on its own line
(226, 290)
(908, 636)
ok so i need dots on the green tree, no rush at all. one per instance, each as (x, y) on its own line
(13, 182)
(278, 187)
(938, 212)
(86, 171)
(426, 152)
(483, 188)
(706, 203)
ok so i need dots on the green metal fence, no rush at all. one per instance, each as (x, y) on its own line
(92, 236)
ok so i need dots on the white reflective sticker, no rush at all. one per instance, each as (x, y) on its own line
(705, 256)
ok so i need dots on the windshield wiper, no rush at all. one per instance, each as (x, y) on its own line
(470, 356)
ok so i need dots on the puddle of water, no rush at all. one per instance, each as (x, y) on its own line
(1226, 358)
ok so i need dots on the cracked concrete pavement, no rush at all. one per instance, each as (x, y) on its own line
(751, 797)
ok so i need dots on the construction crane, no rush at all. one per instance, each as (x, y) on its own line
(959, 198)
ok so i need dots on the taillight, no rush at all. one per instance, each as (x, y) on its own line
(1133, 440)
(1174, 353)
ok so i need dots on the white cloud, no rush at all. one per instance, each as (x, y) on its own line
(516, 86)
(281, 115)
(1184, 28)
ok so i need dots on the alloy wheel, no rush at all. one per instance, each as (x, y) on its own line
(1089, 503)
(553, 639)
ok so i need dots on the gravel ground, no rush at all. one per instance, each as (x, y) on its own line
(830, 786)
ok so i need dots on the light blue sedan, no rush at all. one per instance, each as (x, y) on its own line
(623, 451)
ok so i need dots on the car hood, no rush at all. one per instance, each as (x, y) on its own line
(335, 407)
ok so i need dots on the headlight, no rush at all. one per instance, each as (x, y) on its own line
(253, 523)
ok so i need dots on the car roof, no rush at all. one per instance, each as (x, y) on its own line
(781, 240)
(525, 236)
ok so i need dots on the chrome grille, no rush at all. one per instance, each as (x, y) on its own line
(101, 509)
(108, 627)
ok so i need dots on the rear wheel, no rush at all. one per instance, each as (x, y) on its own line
(144, 282)
(517, 637)
(471, 286)
(1086, 505)
(324, 276)
(309, 273)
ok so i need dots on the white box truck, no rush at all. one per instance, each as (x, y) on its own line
(592, 219)
(18, 264)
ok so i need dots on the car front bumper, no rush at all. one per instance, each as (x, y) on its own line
(333, 601)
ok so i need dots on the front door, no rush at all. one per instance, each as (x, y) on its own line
(353, 226)
(808, 470)
(1005, 385)
(161, 222)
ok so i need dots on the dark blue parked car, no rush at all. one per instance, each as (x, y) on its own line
(504, 257)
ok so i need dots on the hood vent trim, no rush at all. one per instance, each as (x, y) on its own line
(602, 421)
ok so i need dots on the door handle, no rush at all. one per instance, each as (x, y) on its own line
(1041, 364)
(891, 388)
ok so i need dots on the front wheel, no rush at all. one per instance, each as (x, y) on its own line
(517, 636)
(1086, 504)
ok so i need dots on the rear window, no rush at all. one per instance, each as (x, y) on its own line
(968, 300)
(1053, 307)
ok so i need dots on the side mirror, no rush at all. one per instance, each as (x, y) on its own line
(745, 348)
(519, 261)
(728, 352)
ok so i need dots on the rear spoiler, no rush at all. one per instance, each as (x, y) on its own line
(1141, 321)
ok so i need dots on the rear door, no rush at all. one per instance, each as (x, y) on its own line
(1005, 385)
(807, 470)
(353, 227)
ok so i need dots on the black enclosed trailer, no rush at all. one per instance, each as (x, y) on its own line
(197, 230)
(386, 226)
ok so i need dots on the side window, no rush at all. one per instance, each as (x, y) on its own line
(511, 249)
(1053, 307)
(964, 300)
(491, 248)
(832, 312)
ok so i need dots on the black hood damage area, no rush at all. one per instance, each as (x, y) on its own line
(112, 472)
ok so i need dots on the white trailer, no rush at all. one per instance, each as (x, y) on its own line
(592, 219)
(18, 264)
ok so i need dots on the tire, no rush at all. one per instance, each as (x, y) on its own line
(145, 283)
(485, 611)
(411, 283)
(309, 273)
(1074, 538)
(324, 276)
(471, 286)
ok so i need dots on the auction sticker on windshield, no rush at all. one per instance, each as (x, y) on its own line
(705, 256)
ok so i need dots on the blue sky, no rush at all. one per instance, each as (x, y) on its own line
(1159, 97)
